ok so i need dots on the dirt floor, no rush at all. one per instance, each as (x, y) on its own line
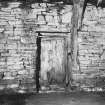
(73, 98)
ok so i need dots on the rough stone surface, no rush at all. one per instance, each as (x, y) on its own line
(91, 46)
(18, 28)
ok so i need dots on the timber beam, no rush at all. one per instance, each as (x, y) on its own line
(78, 6)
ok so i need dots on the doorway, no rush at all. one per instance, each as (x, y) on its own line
(52, 61)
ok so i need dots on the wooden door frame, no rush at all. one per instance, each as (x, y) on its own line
(38, 55)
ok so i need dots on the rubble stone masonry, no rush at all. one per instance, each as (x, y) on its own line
(91, 45)
(18, 26)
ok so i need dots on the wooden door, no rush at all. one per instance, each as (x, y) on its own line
(53, 61)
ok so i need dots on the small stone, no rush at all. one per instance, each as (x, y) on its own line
(25, 40)
(22, 72)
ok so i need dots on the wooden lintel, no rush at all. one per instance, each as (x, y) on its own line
(74, 33)
(52, 32)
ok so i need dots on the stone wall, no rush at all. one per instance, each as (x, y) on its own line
(18, 26)
(91, 46)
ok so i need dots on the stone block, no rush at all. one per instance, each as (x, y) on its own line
(14, 38)
(2, 63)
(2, 46)
(16, 11)
(66, 18)
(2, 29)
(2, 35)
(12, 51)
(2, 87)
(6, 82)
(19, 16)
(50, 20)
(6, 10)
(35, 5)
(41, 19)
(12, 22)
(3, 22)
(12, 46)
(8, 77)
(8, 17)
(78, 77)
(18, 31)
(23, 72)
(13, 86)
(18, 22)
(14, 73)
(32, 14)
(85, 62)
(12, 60)
(9, 32)
(26, 40)
(13, 5)
(14, 66)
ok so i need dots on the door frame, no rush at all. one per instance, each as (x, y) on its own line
(45, 34)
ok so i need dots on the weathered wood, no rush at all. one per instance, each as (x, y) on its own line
(74, 33)
(76, 23)
(65, 62)
(52, 58)
(73, 43)
(99, 2)
(38, 62)
(82, 7)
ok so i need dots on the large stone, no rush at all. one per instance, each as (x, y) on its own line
(16, 11)
(41, 19)
(66, 18)
(12, 46)
(50, 20)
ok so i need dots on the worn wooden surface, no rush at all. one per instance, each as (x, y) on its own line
(74, 34)
(52, 60)
(76, 24)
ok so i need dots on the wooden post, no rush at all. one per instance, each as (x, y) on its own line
(74, 33)
(76, 23)
(82, 7)
(38, 61)
(68, 65)
(73, 42)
